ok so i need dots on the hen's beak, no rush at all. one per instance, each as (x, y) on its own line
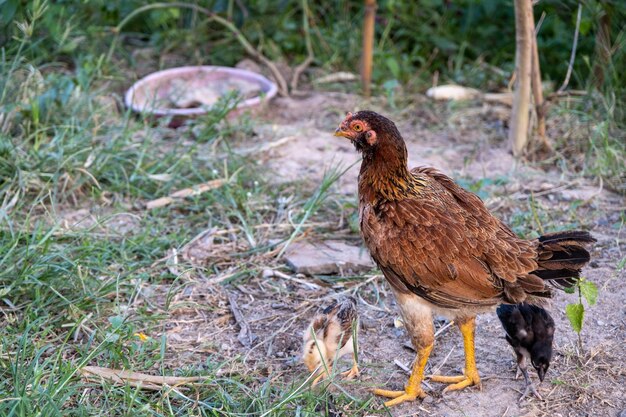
(343, 133)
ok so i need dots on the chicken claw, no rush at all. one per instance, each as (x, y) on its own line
(399, 397)
(352, 373)
(530, 387)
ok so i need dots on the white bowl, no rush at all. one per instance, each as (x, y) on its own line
(194, 85)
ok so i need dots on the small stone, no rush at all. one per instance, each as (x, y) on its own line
(585, 193)
(428, 400)
(328, 257)
(441, 320)
(408, 345)
(367, 323)
(248, 65)
(602, 222)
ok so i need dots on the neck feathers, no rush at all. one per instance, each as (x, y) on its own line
(384, 173)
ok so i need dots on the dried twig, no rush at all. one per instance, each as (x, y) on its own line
(443, 362)
(309, 48)
(185, 192)
(568, 93)
(573, 54)
(444, 328)
(134, 379)
(207, 233)
(172, 264)
(408, 371)
(540, 23)
(402, 366)
(267, 146)
(283, 90)
(268, 273)
(8, 204)
(336, 77)
(246, 337)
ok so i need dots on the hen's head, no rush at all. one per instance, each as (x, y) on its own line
(368, 130)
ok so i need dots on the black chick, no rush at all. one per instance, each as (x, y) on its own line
(530, 330)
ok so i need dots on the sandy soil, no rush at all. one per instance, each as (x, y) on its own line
(470, 144)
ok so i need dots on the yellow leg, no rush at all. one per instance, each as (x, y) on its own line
(354, 372)
(470, 376)
(323, 374)
(413, 388)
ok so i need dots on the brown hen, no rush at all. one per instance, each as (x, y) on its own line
(441, 250)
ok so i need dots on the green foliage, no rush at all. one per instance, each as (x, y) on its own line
(468, 42)
(213, 124)
(575, 312)
(589, 291)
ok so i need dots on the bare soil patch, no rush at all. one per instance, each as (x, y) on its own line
(468, 144)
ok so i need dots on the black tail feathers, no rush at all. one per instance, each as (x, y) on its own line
(561, 255)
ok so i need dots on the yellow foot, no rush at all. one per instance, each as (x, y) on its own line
(352, 373)
(399, 396)
(319, 378)
(457, 382)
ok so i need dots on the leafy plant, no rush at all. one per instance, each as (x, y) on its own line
(575, 312)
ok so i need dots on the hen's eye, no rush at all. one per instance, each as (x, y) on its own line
(357, 127)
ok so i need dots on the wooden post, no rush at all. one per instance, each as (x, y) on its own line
(537, 89)
(518, 127)
(368, 45)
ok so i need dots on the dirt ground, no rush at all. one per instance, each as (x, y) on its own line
(470, 143)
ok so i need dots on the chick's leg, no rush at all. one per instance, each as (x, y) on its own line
(530, 387)
(413, 388)
(323, 372)
(354, 371)
(319, 378)
(470, 376)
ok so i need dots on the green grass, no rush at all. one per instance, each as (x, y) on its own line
(66, 294)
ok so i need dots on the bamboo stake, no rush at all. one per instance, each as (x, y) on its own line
(518, 133)
(537, 89)
(368, 45)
